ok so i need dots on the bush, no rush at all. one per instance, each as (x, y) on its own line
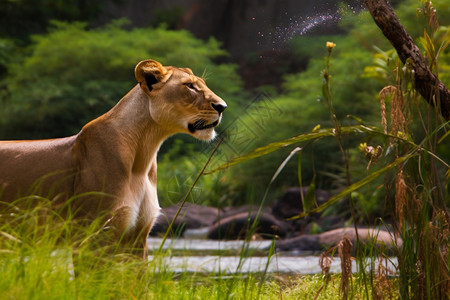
(72, 75)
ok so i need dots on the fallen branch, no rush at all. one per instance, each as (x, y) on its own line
(426, 83)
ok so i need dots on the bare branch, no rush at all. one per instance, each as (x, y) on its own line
(426, 83)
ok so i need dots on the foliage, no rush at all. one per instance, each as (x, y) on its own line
(413, 154)
(72, 74)
(7, 48)
(299, 109)
(415, 21)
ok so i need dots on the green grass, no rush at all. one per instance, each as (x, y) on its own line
(47, 275)
(36, 247)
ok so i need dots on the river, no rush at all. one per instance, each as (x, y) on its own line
(224, 257)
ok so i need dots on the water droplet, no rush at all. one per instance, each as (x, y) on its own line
(302, 26)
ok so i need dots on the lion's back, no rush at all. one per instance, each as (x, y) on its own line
(34, 166)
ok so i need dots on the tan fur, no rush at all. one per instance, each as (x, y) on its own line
(116, 153)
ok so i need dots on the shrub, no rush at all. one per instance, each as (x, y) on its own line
(72, 75)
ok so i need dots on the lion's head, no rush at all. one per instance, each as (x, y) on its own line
(180, 100)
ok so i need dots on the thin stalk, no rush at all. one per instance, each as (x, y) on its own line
(202, 171)
(344, 156)
(337, 126)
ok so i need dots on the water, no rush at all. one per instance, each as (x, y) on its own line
(194, 255)
(300, 26)
(305, 25)
(234, 264)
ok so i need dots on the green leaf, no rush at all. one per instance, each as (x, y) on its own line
(310, 198)
(444, 137)
(299, 175)
(261, 151)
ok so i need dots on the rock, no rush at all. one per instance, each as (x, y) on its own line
(290, 205)
(367, 236)
(234, 210)
(329, 239)
(191, 216)
(236, 226)
(306, 242)
(319, 225)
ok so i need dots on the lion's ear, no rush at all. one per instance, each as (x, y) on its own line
(149, 72)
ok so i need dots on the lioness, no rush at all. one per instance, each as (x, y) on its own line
(115, 154)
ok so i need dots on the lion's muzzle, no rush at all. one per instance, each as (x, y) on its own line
(199, 125)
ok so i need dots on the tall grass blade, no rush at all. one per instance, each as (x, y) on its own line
(322, 133)
(310, 197)
(283, 164)
(264, 274)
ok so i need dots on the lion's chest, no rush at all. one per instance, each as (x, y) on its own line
(142, 204)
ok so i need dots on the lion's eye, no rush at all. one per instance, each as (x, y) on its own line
(190, 85)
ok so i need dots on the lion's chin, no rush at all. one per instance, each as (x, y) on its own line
(203, 130)
(205, 134)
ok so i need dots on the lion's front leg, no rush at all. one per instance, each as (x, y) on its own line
(134, 240)
(149, 210)
(148, 214)
(133, 223)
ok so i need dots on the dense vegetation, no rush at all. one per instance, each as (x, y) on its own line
(72, 73)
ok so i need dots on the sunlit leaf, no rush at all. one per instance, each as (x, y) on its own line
(283, 164)
(328, 132)
(380, 62)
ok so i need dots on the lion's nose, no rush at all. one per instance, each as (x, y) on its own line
(219, 107)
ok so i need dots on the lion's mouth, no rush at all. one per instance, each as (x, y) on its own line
(200, 125)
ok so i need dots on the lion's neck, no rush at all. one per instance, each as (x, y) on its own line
(139, 134)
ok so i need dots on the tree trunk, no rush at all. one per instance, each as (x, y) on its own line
(426, 83)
